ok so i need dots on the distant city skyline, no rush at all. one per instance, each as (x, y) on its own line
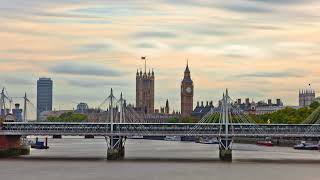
(257, 49)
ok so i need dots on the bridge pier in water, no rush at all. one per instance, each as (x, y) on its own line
(12, 146)
(225, 149)
(116, 149)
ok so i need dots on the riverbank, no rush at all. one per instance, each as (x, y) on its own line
(14, 152)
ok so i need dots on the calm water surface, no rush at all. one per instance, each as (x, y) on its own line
(81, 159)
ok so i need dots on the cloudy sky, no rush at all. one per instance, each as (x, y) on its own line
(257, 48)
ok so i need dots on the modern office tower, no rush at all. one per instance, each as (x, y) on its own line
(44, 95)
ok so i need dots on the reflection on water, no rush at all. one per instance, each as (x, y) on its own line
(78, 158)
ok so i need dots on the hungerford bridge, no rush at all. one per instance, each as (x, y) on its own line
(226, 123)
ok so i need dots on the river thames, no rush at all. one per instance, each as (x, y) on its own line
(81, 159)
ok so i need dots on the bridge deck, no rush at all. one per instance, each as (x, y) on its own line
(159, 129)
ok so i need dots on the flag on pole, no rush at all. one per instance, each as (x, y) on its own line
(145, 63)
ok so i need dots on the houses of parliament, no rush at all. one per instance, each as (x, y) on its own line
(145, 84)
(145, 91)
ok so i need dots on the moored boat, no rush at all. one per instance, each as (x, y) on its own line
(39, 144)
(135, 137)
(306, 146)
(172, 138)
(265, 143)
(207, 140)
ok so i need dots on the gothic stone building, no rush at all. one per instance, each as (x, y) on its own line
(145, 92)
(306, 97)
(186, 94)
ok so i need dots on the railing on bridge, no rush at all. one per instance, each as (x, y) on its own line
(160, 129)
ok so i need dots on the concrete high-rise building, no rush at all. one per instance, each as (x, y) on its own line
(44, 95)
(186, 94)
(306, 97)
(145, 91)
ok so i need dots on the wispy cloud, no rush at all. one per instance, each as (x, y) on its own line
(88, 69)
(247, 8)
(145, 45)
(92, 83)
(94, 47)
(281, 74)
(155, 34)
(17, 79)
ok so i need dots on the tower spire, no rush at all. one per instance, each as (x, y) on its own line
(187, 68)
(111, 93)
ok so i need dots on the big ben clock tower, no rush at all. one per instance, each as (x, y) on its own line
(186, 94)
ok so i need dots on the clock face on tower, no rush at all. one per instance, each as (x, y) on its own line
(188, 90)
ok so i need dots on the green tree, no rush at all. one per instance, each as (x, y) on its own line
(314, 105)
(189, 119)
(68, 117)
(287, 115)
(173, 120)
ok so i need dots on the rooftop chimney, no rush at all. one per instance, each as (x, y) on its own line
(17, 106)
(278, 102)
(247, 101)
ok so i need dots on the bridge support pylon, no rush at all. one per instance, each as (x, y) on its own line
(116, 148)
(225, 149)
(225, 140)
(12, 146)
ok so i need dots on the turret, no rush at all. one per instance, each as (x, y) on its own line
(167, 108)
(211, 104)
